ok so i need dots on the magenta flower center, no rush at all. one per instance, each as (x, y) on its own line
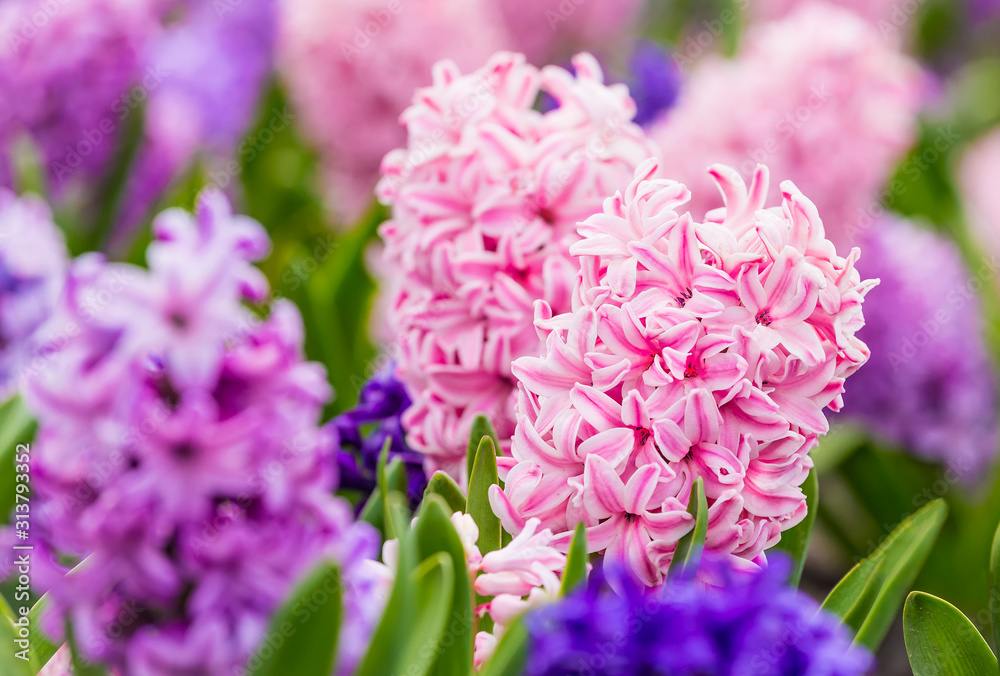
(684, 296)
(763, 317)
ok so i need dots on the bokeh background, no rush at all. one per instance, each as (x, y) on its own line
(886, 113)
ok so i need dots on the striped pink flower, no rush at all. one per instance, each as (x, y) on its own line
(486, 197)
(693, 350)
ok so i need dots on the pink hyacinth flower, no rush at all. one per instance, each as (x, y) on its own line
(693, 350)
(486, 197)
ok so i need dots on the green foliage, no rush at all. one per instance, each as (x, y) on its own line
(435, 533)
(481, 428)
(575, 572)
(484, 476)
(940, 640)
(42, 649)
(687, 556)
(434, 581)
(302, 638)
(443, 485)
(871, 594)
(795, 540)
(17, 426)
(391, 478)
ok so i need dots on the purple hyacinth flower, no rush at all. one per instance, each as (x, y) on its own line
(65, 77)
(655, 81)
(212, 64)
(179, 455)
(364, 431)
(32, 267)
(744, 623)
(930, 386)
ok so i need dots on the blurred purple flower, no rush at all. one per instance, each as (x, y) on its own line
(65, 73)
(655, 81)
(745, 623)
(214, 60)
(32, 267)
(364, 430)
(929, 386)
(179, 452)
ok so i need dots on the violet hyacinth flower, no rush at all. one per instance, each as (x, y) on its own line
(180, 454)
(741, 626)
(930, 386)
(32, 267)
(364, 430)
(211, 67)
(66, 82)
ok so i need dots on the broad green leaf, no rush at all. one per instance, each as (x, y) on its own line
(941, 641)
(17, 426)
(81, 665)
(687, 556)
(484, 475)
(481, 427)
(888, 574)
(443, 485)
(511, 652)
(42, 649)
(386, 647)
(575, 572)
(995, 587)
(434, 581)
(302, 638)
(10, 663)
(435, 533)
(858, 613)
(795, 540)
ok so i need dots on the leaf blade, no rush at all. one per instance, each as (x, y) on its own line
(940, 639)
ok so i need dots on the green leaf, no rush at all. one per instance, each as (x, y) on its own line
(481, 427)
(857, 614)
(687, 556)
(887, 574)
(511, 652)
(390, 476)
(434, 581)
(940, 640)
(435, 533)
(17, 426)
(42, 649)
(9, 662)
(443, 485)
(575, 572)
(795, 540)
(995, 587)
(484, 475)
(302, 638)
(386, 647)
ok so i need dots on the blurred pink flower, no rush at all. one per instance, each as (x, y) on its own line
(351, 67)
(548, 30)
(977, 181)
(486, 197)
(892, 18)
(642, 389)
(820, 97)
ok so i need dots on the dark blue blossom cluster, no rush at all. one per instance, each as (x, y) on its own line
(743, 623)
(365, 429)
